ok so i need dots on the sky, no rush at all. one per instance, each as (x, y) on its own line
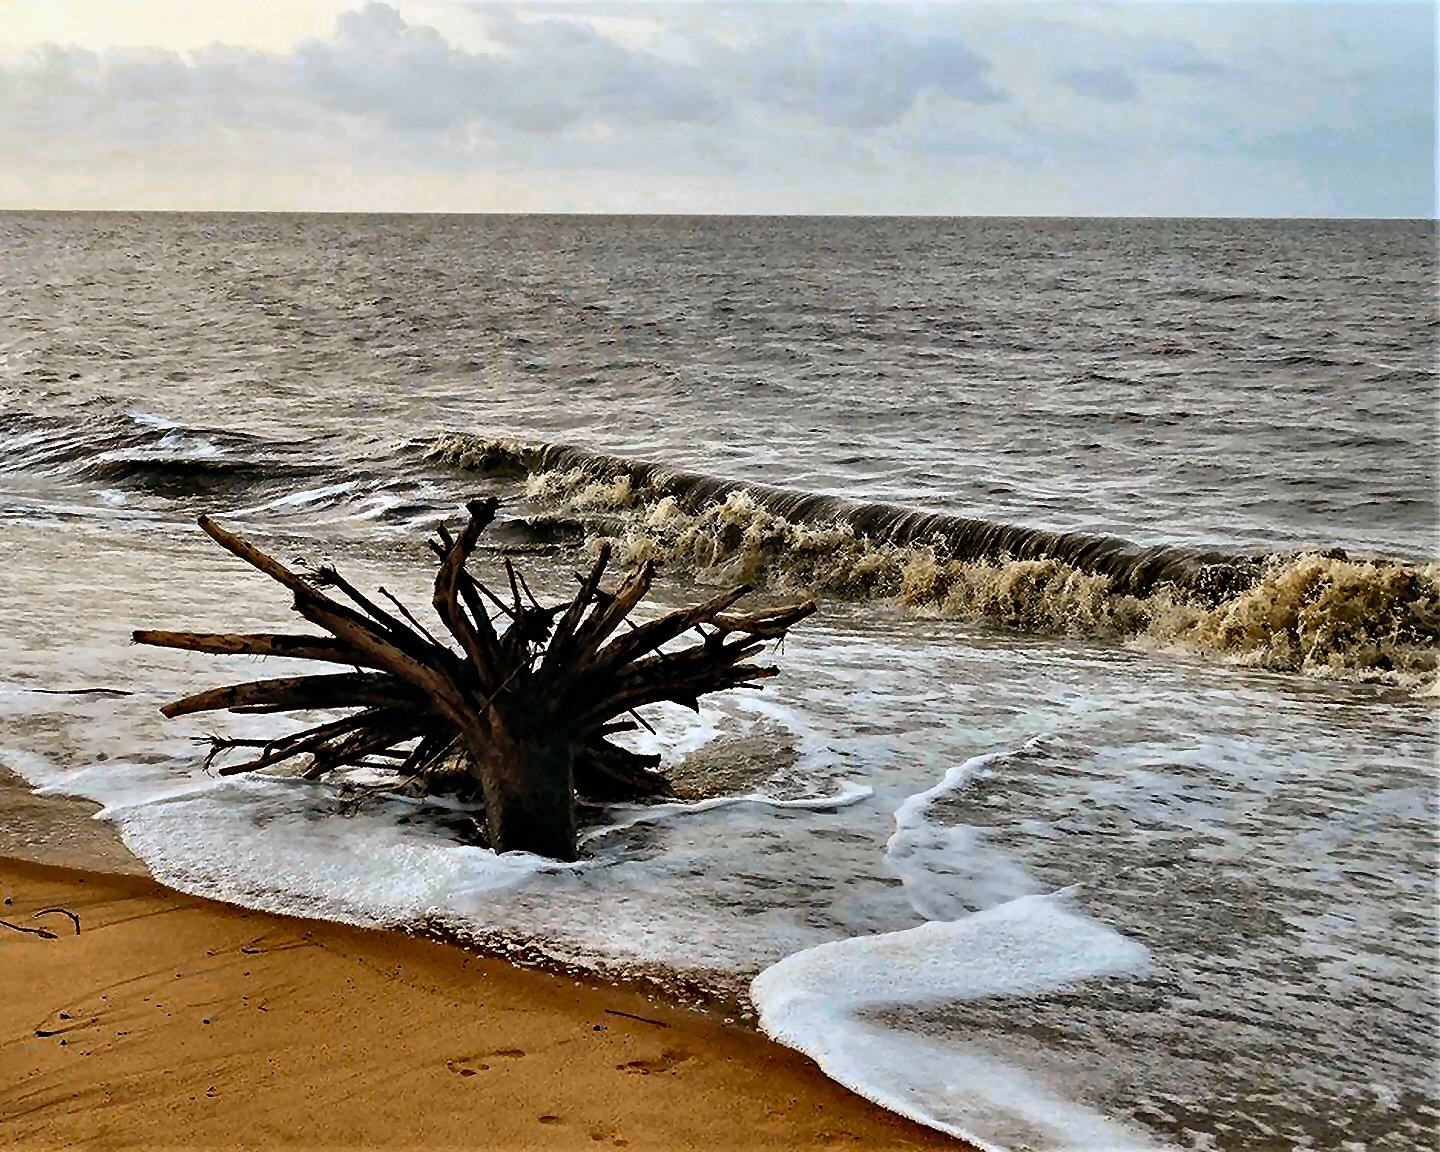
(1010, 107)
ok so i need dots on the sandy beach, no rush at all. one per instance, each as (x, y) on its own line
(171, 1021)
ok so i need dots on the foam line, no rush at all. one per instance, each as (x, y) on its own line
(827, 1002)
(633, 814)
(946, 869)
(1133, 567)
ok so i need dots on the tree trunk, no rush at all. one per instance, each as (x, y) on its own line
(527, 780)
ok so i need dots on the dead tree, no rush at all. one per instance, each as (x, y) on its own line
(527, 699)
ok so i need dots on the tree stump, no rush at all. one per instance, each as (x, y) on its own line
(529, 709)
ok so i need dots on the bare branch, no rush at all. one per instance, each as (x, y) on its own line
(255, 644)
(341, 690)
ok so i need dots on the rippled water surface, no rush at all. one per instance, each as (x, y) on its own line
(1026, 858)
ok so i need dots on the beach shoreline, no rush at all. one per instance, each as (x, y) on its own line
(176, 1021)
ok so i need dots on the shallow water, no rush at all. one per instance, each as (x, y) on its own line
(1029, 866)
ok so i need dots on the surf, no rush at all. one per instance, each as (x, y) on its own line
(1320, 613)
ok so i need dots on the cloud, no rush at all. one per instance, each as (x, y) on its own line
(1180, 58)
(1108, 85)
(549, 74)
(860, 74)
(543, 76)
(1290, 109)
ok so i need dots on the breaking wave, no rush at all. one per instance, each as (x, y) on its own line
(135, 450)
(180, 475)
(1317, 613)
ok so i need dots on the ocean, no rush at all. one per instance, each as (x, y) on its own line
(1096, 808)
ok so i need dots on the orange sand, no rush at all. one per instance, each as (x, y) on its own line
(172, 1021)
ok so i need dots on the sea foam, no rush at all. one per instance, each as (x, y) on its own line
(830, 1003)
(989, 934)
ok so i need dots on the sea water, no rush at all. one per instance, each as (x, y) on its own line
(1037, 838)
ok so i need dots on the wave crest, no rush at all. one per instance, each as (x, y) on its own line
(143, 452)
(1322, 614)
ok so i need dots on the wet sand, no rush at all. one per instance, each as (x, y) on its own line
(58, 830)
(173, 1021)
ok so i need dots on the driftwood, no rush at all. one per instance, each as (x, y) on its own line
(44, 933)
(526, 699)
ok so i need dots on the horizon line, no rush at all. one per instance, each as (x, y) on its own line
(6, 210)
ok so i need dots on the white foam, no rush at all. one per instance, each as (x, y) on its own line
(630, 815)
(302, 498)
(828, 1001)
(151, 420)
(675, 732)
(309, 849)
(159, 788)
(362, 869)
(824, 1002)
(947, 870)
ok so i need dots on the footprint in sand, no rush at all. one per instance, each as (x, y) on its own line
(466, 1066)
(665, 1062)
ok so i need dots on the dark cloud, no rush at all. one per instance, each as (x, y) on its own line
(860, 74)
(1181, 58)
(1109, 85)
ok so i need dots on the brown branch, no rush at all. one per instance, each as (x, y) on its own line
(531, 595)
(414, 639)
(254, 644)
(344, 623)
(605, 771)
(476, 635)
(297, 743)
(409, 616)
(433, 680)
(651, 635)
(355, 747)
(431, 749)
(607, 616)
(529, 628)
(288, 693)
(470, 592)
(681, 677)
(252, 555)
(514, 589)
(765, 625)
(558, 651)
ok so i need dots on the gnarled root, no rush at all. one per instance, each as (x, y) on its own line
(531, 706)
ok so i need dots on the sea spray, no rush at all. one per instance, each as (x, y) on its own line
(1319, 614)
